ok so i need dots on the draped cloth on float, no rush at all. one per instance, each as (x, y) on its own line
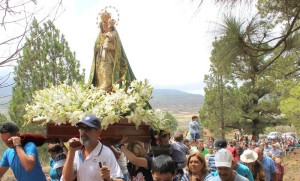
(110, 63)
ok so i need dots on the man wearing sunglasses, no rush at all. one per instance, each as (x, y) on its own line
(90, 160)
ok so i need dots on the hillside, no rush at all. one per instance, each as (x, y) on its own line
(181, 104)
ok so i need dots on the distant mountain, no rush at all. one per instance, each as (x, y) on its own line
(176, 101)
(6, 85)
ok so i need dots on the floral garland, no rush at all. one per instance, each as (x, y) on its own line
(69, 104)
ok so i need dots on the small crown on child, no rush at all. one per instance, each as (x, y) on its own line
(111, 22)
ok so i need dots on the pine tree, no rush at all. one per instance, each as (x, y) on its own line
(221, 109)
(3, 119)
(46, 60)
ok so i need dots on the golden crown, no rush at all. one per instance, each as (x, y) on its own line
(106, 15)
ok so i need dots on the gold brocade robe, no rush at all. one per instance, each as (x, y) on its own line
(110, 64)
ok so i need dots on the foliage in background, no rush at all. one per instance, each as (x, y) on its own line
(3, 119)
(47, 60)
(247, 65)
(290, 105)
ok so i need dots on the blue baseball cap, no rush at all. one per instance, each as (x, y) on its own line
(90, 121)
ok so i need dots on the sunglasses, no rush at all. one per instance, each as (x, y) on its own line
(86, 129)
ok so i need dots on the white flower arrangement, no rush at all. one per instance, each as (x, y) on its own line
(69, 104)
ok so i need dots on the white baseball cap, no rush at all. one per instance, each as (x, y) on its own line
(223, 158)
(59, 161)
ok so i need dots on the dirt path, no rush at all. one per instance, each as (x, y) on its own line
(291, 164)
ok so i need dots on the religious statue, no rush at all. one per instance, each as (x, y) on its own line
(110, 64)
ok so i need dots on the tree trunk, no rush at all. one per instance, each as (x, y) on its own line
(255, 133)
(222, 108)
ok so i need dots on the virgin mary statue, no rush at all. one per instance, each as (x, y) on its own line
(110, 64)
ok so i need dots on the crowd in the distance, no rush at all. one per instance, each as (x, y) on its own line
(167, 158)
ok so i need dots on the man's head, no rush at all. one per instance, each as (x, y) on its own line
(223, 161)
(260, 153)
(89, 129)
(164, 138)
(163, 168)
(219, 144)
(9, 127)
(200, 143)
(178, 137)
(211, 149)
(274, 146)
(8, 130)
(187, 143)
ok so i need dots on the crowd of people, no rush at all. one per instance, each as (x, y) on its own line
(167, 158)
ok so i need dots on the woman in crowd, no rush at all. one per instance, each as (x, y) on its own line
(210, 142)
(197, 169)
(139, 165)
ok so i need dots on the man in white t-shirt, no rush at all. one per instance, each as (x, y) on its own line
(84, 161)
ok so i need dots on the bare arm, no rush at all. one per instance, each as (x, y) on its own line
(2, 171)
(27, 161)
(116, 152)
(138, 161)
(68, 170)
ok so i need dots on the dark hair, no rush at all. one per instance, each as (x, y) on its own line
(185, 141)
(9, 127)
(194, 117)
(200, 140)
(178, 137)
(213, 139)
(56, 148)
(163, 164)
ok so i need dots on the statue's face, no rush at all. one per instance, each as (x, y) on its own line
(105, 26)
